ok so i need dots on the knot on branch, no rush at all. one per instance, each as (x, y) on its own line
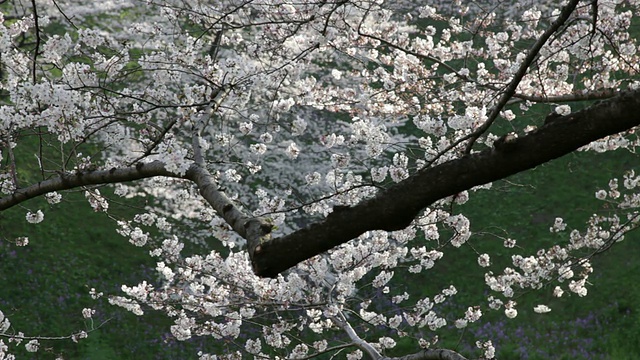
(227, 207)
(507, 143)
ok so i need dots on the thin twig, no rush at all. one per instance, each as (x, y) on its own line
(64, 15)
(37, 49)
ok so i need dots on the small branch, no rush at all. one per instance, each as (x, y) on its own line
(326, 351)
(37, 49)
(341, 321)
(156, 141)
(72, 336)
(582, 96)
(197, 129)
(64, 15)
(215, 46)
(594, 15)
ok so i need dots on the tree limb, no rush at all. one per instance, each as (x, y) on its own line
(255, 230)
(71, 180)
(395, 207)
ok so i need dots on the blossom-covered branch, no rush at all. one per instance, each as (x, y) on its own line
(248, 227)
(391, 209)
(396, 207)
(71, 180)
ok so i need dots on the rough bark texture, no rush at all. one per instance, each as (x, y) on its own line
(395, 207)
(254, 229)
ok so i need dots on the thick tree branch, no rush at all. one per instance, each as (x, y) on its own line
(392, 209)
(396, 207)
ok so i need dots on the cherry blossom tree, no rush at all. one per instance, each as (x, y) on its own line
(314, 150)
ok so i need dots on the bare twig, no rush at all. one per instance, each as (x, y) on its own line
(36, 51)
(64, 15)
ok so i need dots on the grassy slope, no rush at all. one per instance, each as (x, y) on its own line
(46, 284)
(605, 324)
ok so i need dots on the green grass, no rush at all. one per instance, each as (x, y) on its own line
(46, 284)
(523, 207)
